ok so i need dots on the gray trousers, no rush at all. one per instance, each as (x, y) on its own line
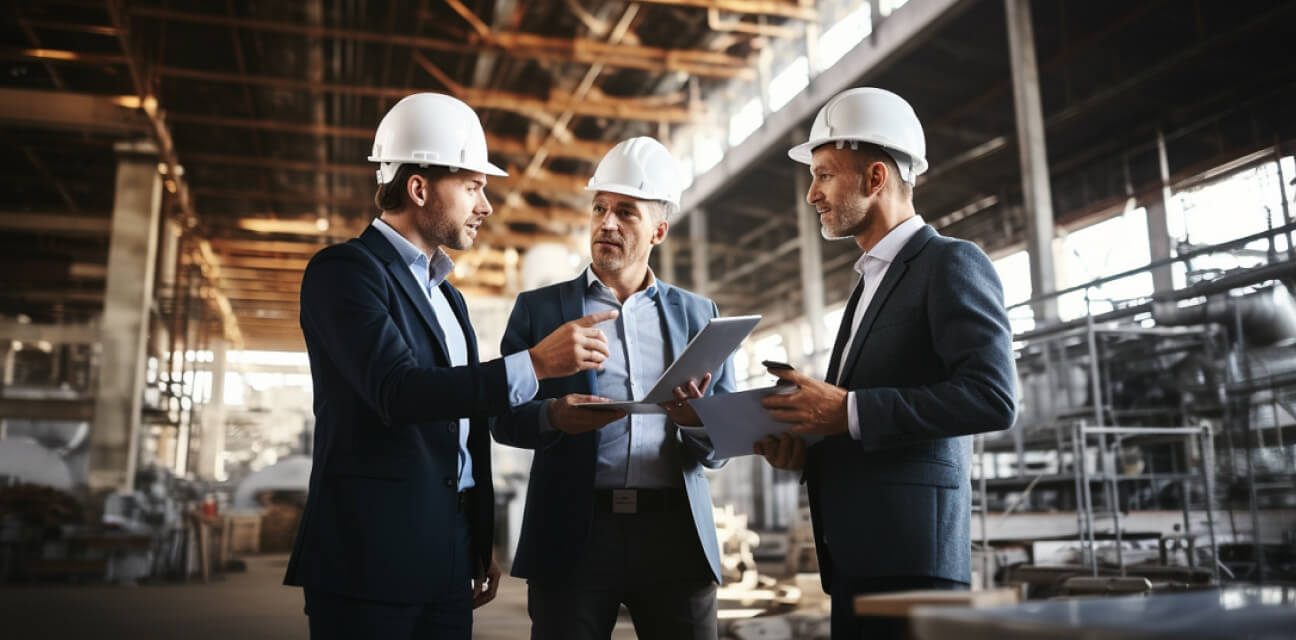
(650, 562)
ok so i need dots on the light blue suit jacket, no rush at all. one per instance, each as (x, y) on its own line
(559, 505)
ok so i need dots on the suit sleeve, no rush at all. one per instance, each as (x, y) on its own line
(520, 426)
(972, 339)
(344, 307)
(696, 441)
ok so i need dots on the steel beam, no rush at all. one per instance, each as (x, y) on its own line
(905, 30)
(1033, 153)
(699, 255)
(132, 255)
(60, 224)
(698, 62)
(118, 115)
(810, 237)
(1158, 229)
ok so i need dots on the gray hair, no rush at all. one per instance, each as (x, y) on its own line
(666, 209)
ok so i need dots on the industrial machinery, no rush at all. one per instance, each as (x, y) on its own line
(1161, 429)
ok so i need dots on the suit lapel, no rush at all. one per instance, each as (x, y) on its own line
(401, 273)
(843, 334)
(893, 275)
(461, 313)
(571, 300)
(677, 322)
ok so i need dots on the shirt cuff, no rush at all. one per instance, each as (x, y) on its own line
(522, 382)
(852, 416)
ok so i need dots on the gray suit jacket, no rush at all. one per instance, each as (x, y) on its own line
(559, 503)
(932, 364)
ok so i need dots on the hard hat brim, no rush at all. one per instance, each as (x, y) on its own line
(630, 191)
(804, 152)
(487, 168)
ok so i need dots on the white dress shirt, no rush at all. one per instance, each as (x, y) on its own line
(430, 274)
(872, 267)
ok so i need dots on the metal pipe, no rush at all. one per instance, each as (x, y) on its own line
(1240, 360)
(1208, 478)
(1282, 191)
(1183, 257)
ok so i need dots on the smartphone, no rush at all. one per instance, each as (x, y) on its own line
(772, 364)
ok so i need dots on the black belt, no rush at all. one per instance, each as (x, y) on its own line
(627, 501)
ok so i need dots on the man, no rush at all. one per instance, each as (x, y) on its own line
(618, 509)
(922, 360)
(396, 538)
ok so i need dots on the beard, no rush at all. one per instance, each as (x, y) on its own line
(849, 222)
(436, 224)
(610, 259)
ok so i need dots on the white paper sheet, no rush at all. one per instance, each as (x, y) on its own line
(735, 421)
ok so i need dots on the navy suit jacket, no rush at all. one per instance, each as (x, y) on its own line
(379, 518)
(932, 364)
(559, 505)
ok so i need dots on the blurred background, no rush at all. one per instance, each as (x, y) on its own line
(170, 167)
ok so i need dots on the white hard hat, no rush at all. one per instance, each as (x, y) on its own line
(430, 129)
(875, 116)
(640, 168)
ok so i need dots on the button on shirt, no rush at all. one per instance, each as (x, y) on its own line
(638, 450)
(872, 267)
(430, 274)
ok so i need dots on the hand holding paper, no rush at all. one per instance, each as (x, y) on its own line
(813, 408)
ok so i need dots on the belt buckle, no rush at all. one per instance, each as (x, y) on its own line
(625, 501)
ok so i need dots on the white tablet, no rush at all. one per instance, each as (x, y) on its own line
(705, 353)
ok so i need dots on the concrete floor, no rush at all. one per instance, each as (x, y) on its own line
(244, 605)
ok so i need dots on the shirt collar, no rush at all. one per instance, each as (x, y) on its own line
(592, 281)
(439, 267)
(890, 245)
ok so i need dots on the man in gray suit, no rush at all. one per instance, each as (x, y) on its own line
(923, 359)
(618, 510)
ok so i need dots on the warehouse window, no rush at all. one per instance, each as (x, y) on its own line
(745, 122)
(844, 35)
(1014, 274)
(707, 153)
(887, 7)
(787, 83)
(1106, 248)
(1242, 204)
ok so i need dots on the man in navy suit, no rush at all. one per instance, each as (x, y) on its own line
(618, 510)
(923, 359)
(396, 538)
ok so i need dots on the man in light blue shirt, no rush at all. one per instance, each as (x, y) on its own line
(618, 508)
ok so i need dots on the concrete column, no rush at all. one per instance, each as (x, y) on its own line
(1033, 153)
(1158, 229)
(212, 442)
(812, 274)
(132, 253)
(10, 362)
(701, 253)
(667, 255)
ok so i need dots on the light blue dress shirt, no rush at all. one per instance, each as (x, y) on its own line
(430, 274)
(638, 451)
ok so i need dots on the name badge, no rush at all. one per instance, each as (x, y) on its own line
(625, 501)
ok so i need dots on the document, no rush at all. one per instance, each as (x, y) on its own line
(735, 421)
(705, 353)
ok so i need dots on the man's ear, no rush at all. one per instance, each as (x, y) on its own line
(416, 189)
(875, 178)
(659, 234)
